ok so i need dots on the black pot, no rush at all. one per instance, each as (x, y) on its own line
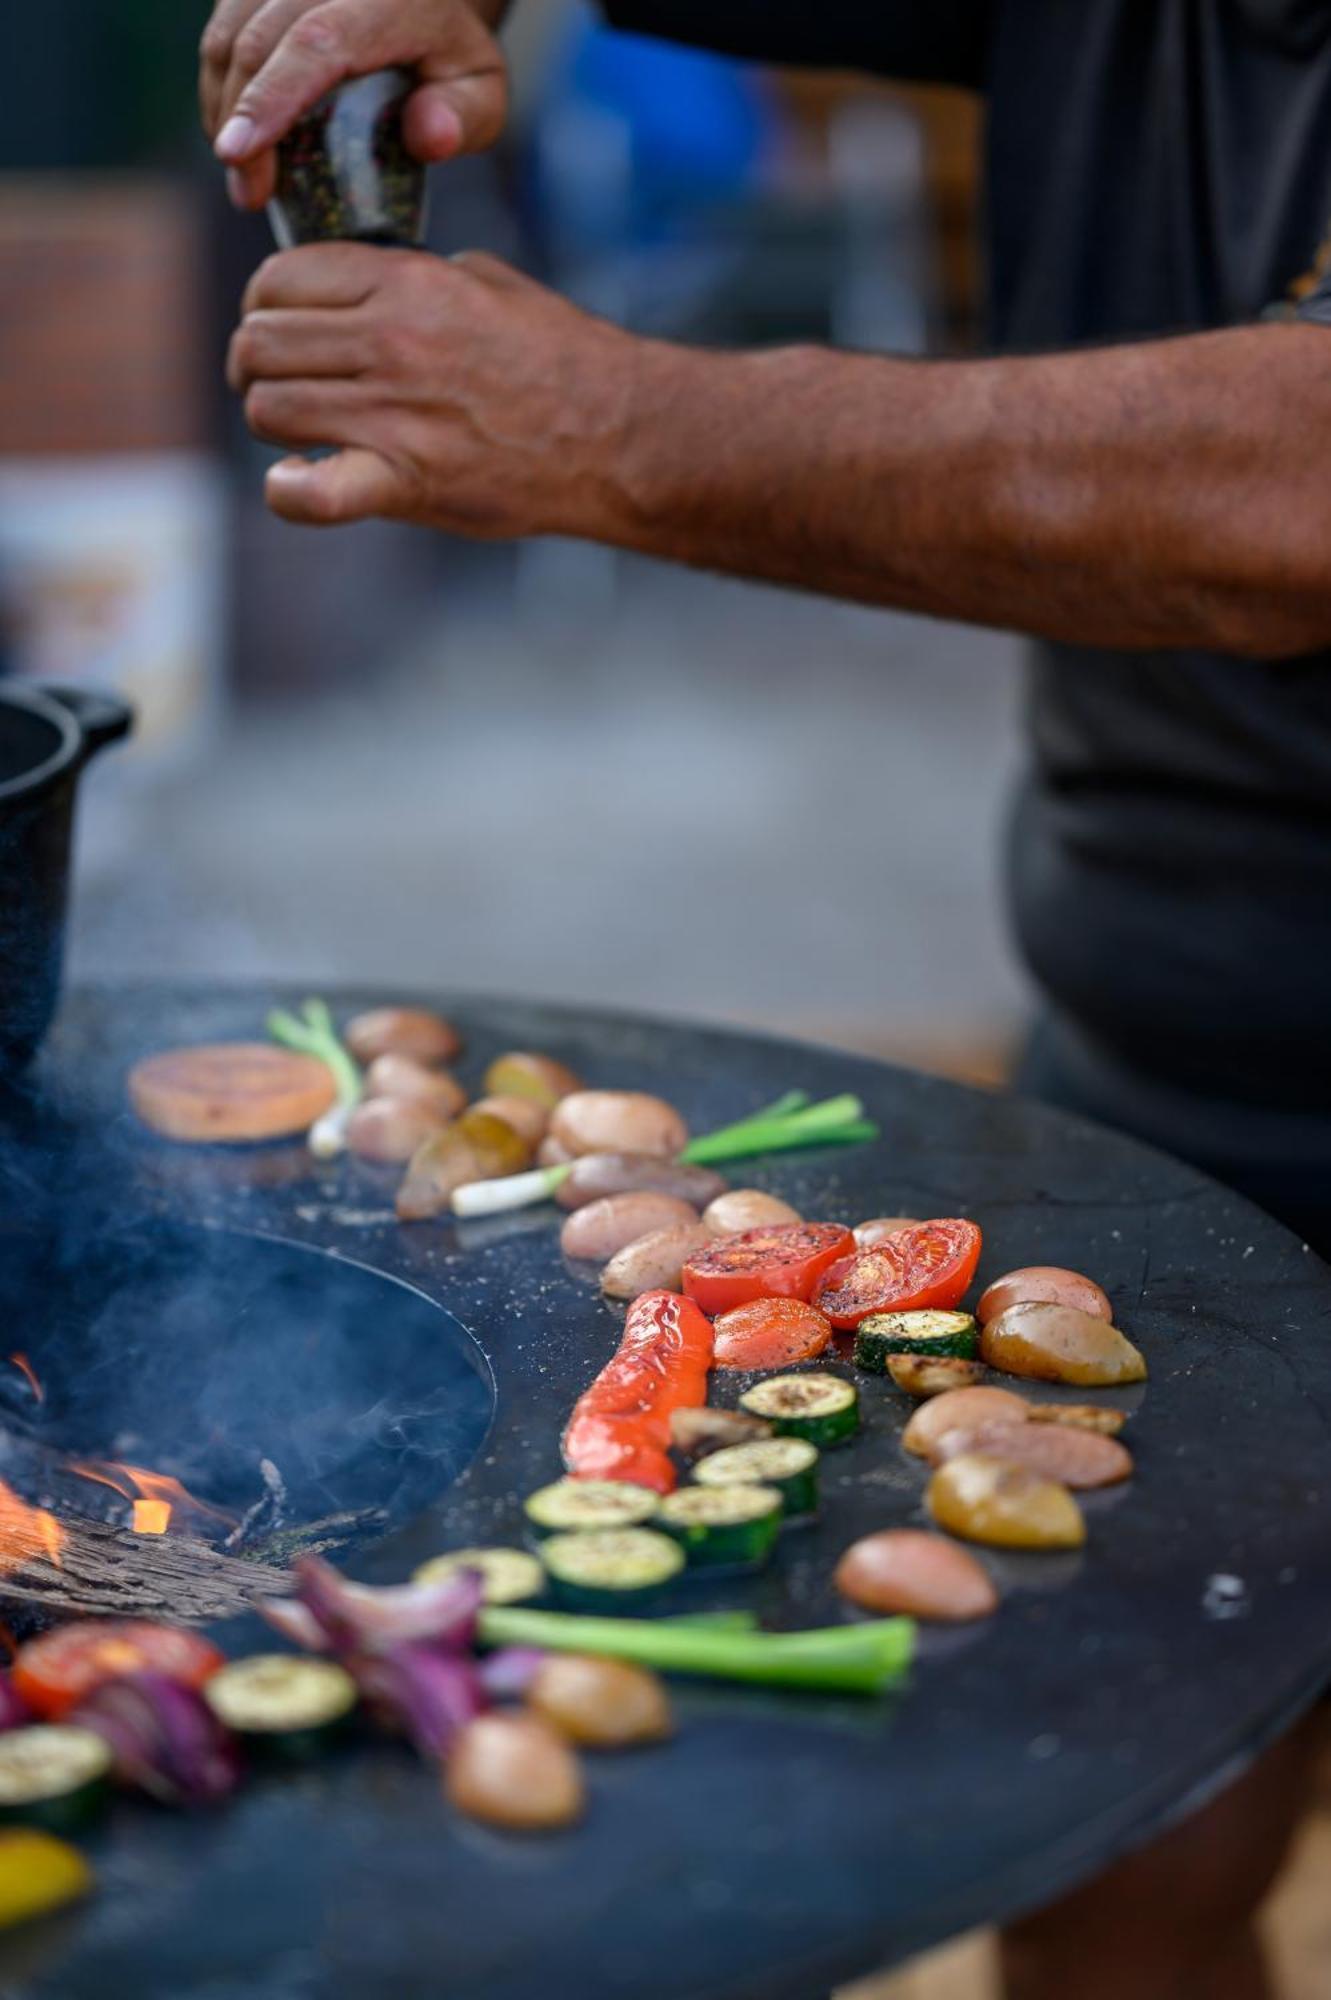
(47, 736)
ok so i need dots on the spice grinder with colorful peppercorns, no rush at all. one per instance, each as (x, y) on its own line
(344, 172)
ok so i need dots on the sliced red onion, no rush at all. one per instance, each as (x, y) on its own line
(358, 1618)
(14, 1711)
(164, 1737)
(426, 1692)
(509, 1673)
(289, 1616)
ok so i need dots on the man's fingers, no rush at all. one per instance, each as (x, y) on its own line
(283, 346)
(457, 114)
(319, 49)
(219, 39)
(255, 42)
(317, 275)
(352, 486)
(303, 414)
(253, 186)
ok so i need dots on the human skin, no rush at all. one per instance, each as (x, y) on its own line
(264, 62)
(1171, 493)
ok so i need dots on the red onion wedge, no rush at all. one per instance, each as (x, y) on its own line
(165, 1739)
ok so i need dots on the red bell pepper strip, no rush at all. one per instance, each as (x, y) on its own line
(620, 1428)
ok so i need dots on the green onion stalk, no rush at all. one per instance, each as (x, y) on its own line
(313, 1033)
(789, 1124)
(870, 1658)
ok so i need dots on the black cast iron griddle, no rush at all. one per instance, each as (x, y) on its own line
(781, 1844)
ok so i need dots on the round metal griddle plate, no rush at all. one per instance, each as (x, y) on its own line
(779, 1844)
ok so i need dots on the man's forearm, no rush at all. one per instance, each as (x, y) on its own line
(1173, 494)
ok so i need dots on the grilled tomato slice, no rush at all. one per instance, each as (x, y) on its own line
(784, 1262)
(930, 1264)
(55, 1672)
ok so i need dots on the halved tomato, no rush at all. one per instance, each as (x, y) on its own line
(783, 1262)
(55, 1672)
(770, 1333)
(929, 1264)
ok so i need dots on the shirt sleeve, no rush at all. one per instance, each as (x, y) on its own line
(915, 41)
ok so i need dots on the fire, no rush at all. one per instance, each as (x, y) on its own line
(26, 1532)
(157, 1498)
(151, 1517)
(26, 1369)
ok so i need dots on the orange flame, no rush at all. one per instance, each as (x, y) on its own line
(25, 1368)
(26, 1532)
(157, 1497)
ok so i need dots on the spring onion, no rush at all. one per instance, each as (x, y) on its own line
(869, 1658)
(312, 1032)
(790, 1123)
(834, 1122)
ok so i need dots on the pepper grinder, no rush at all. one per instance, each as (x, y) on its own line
(344, 173)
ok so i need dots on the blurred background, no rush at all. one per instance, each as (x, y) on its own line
(389, 757)
(545, 769)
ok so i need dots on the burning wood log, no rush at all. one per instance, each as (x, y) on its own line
(109, 1572)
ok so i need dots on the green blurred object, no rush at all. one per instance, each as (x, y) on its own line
(100, 83)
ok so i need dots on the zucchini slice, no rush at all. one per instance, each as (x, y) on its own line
(914, 1333)
(508, 1576)
(724, 1524)
(788, 1464)
(610, 1569)
(282, 1700)
(53, 1775)
(824, 1409)
(572, 1505)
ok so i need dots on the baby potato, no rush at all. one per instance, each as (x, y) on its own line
(1050, 1285)
(910, 1572)
(402, 1031)
(445, 1162)
(868, 1233)
(596, 1175)
(1081, 1416)
(655, 1263)
(747, 1208)
(516, 1772)
(619, 1121)
(1052, 1343)
(475, 1148)
(551, 1154)
(528, 1118)
(392, 1128)
(403, 1076)
(1006, 1506)
(521, 1074)
(601, 1704)
(499, 1148)
(924, 1375)
(956, 1408)
(1075, 1458)
(605, 1227)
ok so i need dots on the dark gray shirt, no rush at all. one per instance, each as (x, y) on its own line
(1152, 167)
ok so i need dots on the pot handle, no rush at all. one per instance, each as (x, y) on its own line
(103, 718)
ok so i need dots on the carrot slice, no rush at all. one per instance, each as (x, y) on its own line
(770, 1333)
(230, 1093)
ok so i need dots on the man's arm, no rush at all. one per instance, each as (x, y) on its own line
(1175, 493)
(1172, 494)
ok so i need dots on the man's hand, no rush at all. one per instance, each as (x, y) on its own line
(265, 62)
(462, 395)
